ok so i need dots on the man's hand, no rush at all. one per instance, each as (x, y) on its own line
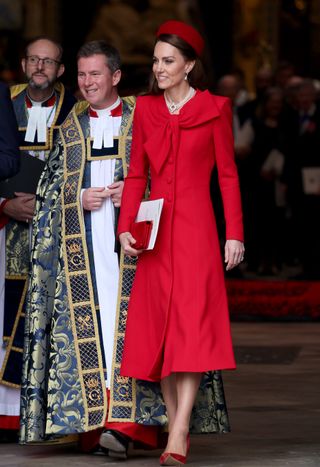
(93, 198)
(21, 208)
(116, 193)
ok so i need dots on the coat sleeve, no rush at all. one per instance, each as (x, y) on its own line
(227, 172)
(9, 137)
(136, 181)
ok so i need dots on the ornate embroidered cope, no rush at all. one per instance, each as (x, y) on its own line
(17, 241)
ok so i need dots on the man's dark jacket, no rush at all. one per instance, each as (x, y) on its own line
(9, 137)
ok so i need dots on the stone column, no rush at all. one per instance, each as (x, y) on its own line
(315, 38)
(42, 17)
(255, 36)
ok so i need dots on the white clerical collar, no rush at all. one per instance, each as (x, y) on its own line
(108, 110)
(39, 116)
(103, 128)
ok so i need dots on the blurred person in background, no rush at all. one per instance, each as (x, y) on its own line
(9, 138)
(302, 177)
(262, 144)
(9, 166)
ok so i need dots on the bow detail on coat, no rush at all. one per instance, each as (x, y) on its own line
(170, 126)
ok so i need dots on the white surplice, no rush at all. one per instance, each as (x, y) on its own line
(9, 397)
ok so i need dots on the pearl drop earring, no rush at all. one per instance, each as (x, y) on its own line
(186, 76)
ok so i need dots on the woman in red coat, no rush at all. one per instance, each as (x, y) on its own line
(178, 323)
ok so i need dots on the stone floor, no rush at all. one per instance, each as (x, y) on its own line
(274, 407)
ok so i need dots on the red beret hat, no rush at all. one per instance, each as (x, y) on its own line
(186, 32)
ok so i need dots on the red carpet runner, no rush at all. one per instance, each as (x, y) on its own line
(273, 300)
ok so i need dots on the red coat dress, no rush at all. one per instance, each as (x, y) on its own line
(178, 316)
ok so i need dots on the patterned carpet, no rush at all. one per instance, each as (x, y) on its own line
(267, 300)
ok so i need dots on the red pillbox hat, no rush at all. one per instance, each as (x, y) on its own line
(186, 32)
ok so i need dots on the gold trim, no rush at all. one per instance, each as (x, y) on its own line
(123, 141)
(16, 277)
(45, 146)
(80, 107)
(116, 365)
(131, 100)
(63, 439)
(17, 89)
(9, 384)
(59, 87)
(10, 339)
(102, 158)
(120, 335)
(99, 381)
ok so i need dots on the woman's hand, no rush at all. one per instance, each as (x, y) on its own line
(233, 253)
(126, 240)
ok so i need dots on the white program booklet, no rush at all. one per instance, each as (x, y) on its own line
(311, 180)
(150, 210)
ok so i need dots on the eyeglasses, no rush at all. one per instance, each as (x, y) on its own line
(34, 60)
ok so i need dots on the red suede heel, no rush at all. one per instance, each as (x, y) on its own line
(171, 458)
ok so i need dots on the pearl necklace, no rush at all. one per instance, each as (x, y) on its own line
(174, 106)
